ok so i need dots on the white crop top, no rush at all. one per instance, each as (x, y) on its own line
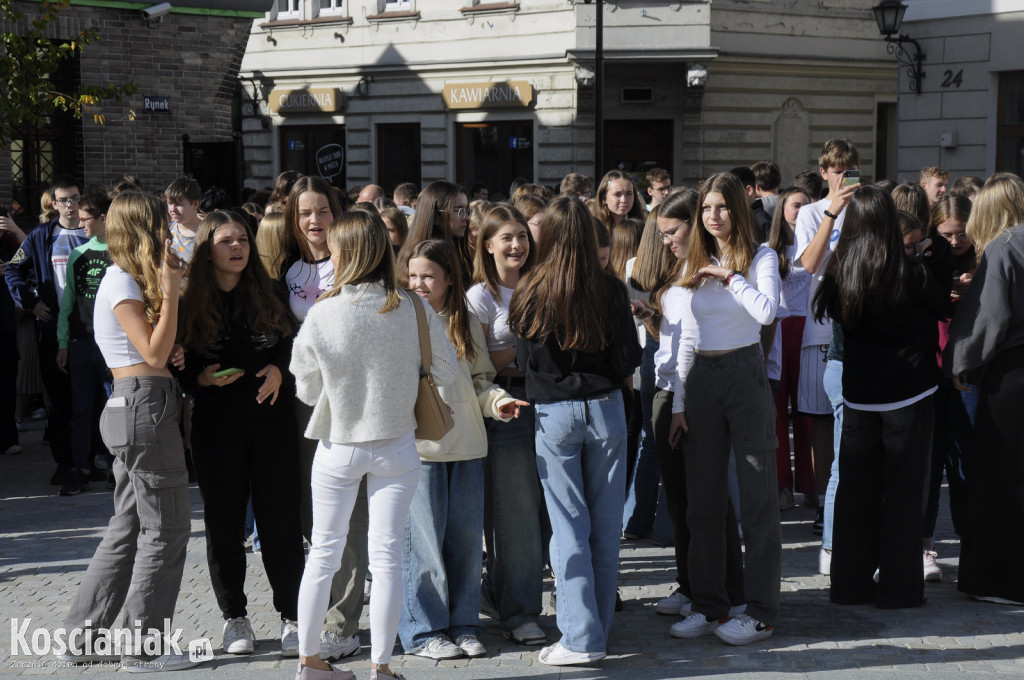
(482, 303)
(725, 317)
(116, 287)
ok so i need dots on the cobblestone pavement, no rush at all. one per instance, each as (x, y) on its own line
(46, 542)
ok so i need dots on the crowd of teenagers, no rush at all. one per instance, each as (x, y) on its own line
(613, 369)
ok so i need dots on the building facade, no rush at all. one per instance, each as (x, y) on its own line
(185, 65)
(969, 115)
(386, 91)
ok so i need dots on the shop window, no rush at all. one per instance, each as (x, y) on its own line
(493, 154)
(1010, 131)
(315, 150)
(398, 155)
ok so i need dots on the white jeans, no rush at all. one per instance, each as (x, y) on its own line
(392, 470)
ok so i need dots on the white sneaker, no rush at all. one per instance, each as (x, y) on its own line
(824, 562)
(333, 646)
(694, 626)
(932, 571)
(440, 648)
(165, 662)
(238, 636)
(675, 604)
(471, 645)
(743, 630)
(557, 655)
(289, 639)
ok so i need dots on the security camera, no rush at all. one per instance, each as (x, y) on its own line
(156, 12)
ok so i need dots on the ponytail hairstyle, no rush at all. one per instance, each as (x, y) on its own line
(567, 296)
(778, 235)
(866, 275)
(363, 248)
(136, 232)
(442, 253)
(202, 317)
(740, 246)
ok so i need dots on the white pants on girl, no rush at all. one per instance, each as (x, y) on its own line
(392, 470)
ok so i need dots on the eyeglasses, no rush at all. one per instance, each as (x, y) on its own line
(461, 212)
(668, 234)
(85, 220)
(69, 200)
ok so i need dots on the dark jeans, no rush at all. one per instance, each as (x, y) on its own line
(8, 389)
(883, 473)
(57, 384)
(645, 475)
(236, 456)
(730, 411)
(90, 387)
(673, 480)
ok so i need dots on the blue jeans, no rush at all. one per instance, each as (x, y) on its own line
(442, 561)
(581, 457)
(642, 500)
(90, 388)
(833, 383)
(512, 519)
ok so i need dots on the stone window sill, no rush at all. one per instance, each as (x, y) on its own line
(490, 8)
(384, 17)
(328, 19)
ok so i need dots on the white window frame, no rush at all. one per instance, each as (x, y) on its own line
(397, 5)
(337, 8)
(294, 13)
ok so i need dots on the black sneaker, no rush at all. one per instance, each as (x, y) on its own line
(819, 521)
(76, 484)
(60, 476)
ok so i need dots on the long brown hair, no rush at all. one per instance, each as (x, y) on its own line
(433, 208)
(625, 240)
(567, 295)
(485, 271)
(740, 245)
(364, 255)
(202, 314)
(656, 268)
(601, 211)
(440, 252)
(273, 239)
(317, 185)
(778, 235)
(136, 231)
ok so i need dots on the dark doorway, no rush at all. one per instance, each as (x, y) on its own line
(493, 154)
(215, 164)
(636, 146)
(398, 155)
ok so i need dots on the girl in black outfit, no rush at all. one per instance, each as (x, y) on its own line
(243, 427)
(888, 305)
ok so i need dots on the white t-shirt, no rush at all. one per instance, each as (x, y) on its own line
(495, 315)
(807, 222)
(64, 241)
(116, 287)
(306, 281)
(793, 295)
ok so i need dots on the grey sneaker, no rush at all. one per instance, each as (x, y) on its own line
(308, 673)
(333, 646)
(675, 604)
(439, 648)
(471, 645)
(238, 636)
(528, 633)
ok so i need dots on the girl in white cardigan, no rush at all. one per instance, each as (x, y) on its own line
(442, 560)
(356, 359)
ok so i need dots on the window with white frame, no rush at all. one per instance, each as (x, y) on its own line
(289, 9)
(331, 7)
(397, 5)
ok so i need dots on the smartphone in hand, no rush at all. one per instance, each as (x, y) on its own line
(851, 177)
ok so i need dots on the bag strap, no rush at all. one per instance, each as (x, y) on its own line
(422, 331)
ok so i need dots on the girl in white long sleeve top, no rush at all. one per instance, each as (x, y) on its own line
(729, 289)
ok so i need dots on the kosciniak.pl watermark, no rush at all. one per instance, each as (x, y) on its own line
(90, 642)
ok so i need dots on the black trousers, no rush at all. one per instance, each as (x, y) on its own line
(884, 466)
(57, 384)
(673, 479)
(236, 456)
(8, 389)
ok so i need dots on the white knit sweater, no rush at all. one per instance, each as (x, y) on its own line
(359, 369)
